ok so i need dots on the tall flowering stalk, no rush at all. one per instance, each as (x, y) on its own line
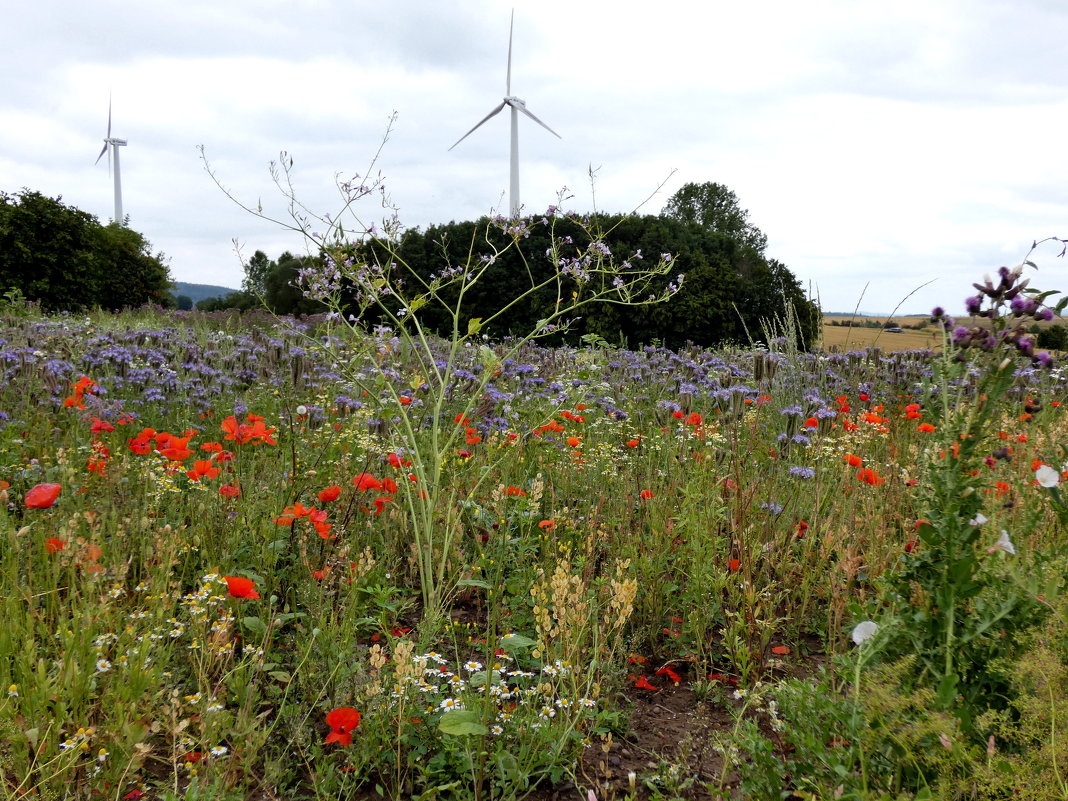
(376, 298)
(959, 609)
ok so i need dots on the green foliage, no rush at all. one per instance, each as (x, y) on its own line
(65, 260)
(1054, 337)
(269, 283)
(717, 208)
(1027, 755)
(729, 288)
(257, 269)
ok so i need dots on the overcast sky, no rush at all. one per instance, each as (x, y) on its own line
(878, 145)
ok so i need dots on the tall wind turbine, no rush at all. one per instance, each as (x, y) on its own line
(516, 105)
(111, 147)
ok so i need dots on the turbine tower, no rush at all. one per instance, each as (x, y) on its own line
(111, 147)
(516, 105)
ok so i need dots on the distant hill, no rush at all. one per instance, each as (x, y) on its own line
(199, 292)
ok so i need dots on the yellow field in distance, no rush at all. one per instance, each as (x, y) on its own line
(838, 338)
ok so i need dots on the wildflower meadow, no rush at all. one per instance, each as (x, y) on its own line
(347, 557)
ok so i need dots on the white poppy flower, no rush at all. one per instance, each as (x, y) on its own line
(978, 520)
(1047, 477)
(864, 631)
(1005, 543)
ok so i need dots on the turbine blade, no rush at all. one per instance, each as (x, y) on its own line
(542, 124)
(109, 116)
(495, 111)
(102, 152)
(508, 83)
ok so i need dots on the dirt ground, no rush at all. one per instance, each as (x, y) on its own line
(667, 728)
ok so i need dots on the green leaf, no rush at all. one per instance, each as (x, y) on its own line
(255, 625)
(947, 689)
(474, 325)
(516, 642)
(483, 677)
(507, 766)
(461, 722)
(473, 583)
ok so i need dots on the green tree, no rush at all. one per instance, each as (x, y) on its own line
(257, 269)
(65, 259)
(281, 293)
(1055, 337)
(715, 206)
(729, 289)
(130, 275)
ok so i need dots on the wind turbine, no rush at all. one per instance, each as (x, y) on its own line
(111, 147)
(516, 105)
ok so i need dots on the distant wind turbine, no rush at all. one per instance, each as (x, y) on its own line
(111, 147)
(516, 105)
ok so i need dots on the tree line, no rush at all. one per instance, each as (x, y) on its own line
(65, 260)
(731, 292)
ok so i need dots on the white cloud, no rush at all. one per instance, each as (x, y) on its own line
(875, 144)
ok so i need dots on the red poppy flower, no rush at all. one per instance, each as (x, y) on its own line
(329, 494)
(230, 491)
(781, 650)
(733, 565)
(202, 468)
(241, 587)
(54, 544)
(42, 496)
(646, 494)
(389, 486)
(341, 722)
(643, 684)
(669, 671)
(853, 460)
(632, 443)
(869, 476)
(574, 442)
(141, 445)
(365, 481)
(176, 449)
(925, 428)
